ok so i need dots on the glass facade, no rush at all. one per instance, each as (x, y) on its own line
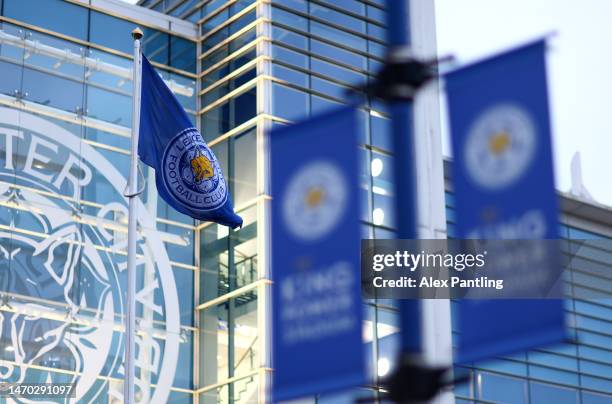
(263, 64)
(239, 67)
(65, 118)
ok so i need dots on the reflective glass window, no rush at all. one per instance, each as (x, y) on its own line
(184, 279)
(10, 79)
(109, 106)
(225, 32)
(546, 393)
(553, 375)
(289, 19)
(297, 5)
(183, 54)
(338, 36)
(225, 50)
(52, 90)
(184, 89)
(365, 182)
(213, 6)
(228, 115)
(338, 18)
(377, 49)
(289, 56)
(55, 15)
(383, 233)
(376, 13)
(594, 398)
(112, 32)
(320, 104)
(221, 90)
(374, 65)
(231, 348)
(333, 71)
(14, 53)
(213, 22)
(356, 7)
(179, 248)
(156, 46)
(464, 389)
(377, 31)
(500, 388)
(110, 79)
(244, 179)
(381, 132)
(337, 54)
(240, 5)
(383, 212)
(515, 367)
(111, 139)
(223, 70)
(595, 368)
(289, 103)
(290, 75)
(167, 212)
(57, 64)
(328, 88)
(595, 353)
(184, 7)
(289, 37)
(195, 16)
(596, 383)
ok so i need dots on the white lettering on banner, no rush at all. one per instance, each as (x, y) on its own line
(317, 303)
(77, 265)
(531, 225)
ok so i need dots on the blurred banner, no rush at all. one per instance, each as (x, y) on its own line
(504, 189)
(316, 298)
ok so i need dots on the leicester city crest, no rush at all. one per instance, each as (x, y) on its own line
(62, 261)
(191, 172)
(315, 200)
(500, 146)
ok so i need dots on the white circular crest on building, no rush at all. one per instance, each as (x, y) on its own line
(64, 290)
(500, 146)
(192, 173)
(314, 200)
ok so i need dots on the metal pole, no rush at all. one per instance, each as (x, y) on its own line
(436, 333)
(132, 194)
(404, 170)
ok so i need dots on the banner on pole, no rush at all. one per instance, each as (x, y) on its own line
(504, 189)
(316, 298)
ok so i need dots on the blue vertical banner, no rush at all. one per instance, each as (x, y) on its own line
(316, 297)
(504, 189)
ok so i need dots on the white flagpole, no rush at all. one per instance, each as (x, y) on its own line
(132, 193)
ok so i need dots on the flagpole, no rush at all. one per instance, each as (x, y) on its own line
(132, 193)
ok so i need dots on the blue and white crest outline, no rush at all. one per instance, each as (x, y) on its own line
(180, 180)
(501, 145)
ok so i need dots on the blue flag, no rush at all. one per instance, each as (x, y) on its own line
(187, 173)
(504, 189)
